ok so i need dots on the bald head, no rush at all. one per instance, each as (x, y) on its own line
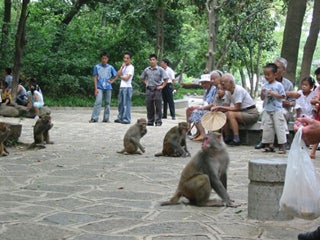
(227, 81)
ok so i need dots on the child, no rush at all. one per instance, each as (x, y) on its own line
(315, 101)
(303, 106)
(5, 94)
(272, 94)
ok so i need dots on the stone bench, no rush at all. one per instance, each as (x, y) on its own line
(265, 189)
(251, 135)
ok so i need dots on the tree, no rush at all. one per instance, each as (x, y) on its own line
(20, 42)
(311, 42)
(291, 36)
(5, 33)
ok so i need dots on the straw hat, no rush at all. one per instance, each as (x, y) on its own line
(213, 121)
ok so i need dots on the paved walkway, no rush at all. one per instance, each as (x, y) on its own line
(81, 189)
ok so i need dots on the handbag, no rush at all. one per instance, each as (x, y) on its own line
(301, 191)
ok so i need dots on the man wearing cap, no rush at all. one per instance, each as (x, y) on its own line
(242, 110)
(155, 78)
(167, 91)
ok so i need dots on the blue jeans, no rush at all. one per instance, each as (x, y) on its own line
(124, 104)
(98, 103)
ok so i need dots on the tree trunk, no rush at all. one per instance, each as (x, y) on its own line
(160, 33)
(4, 46)
(311, 42)
(19, 45)
(291, 36)
(210, 56)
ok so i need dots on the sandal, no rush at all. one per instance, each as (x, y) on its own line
(199, 138)
(268, 149)
(312, 156)
(282, 150)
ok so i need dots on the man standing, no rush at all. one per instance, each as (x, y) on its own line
(125, 93)
(103, 76)
(155, 78)
(167, 92)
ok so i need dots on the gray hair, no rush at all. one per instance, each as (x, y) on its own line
(216, 73)
(229, 77)
(283, 62)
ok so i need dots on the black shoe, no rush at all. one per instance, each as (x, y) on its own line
(123, 122)
(164, 117)
(92, 121)
(315, 235)
(106, 121)
(173, 118)
(234, 143)
(158, 124)
(260, 145)
(117, 121)
(149, 124)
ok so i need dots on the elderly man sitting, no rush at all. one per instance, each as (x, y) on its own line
(241, 111)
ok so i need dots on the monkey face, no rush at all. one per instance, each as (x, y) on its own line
(212, 140)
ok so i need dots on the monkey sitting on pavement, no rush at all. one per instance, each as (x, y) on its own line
(207, 170)
(4, 134)
(174, 142)
(131, 141)
(41, 132)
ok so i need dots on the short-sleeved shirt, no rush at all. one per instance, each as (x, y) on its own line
(127, 70)
(8, 79)
(240, 95)
(154, 76)
(209, 95)
(304, 103)
(271, 103)
(104, 73)
(170, 73)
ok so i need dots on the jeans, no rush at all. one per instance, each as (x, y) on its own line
(98, 103)
(124, 104)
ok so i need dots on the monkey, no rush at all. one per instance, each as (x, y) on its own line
(131, 141)
(207, 170)
(41, 132)
(174, 142)
(4, 134)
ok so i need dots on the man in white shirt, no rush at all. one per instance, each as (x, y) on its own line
(167, 91)
(125, 93)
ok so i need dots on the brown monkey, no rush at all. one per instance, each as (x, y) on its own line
(131, 141)
(4, 134)
(41, 131)
(174, 142)
(207, 170)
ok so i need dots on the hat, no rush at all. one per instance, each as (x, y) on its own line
(213, 121)
(205, 78)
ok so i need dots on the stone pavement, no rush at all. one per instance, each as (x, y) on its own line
(81, 189)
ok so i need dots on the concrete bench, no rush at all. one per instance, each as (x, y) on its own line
(251, 135)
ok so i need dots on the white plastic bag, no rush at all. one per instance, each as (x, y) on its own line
(301, 192)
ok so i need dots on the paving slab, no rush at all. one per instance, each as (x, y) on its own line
(79, 188)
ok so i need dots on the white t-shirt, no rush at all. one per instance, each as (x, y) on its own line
(304, 103)
(127, 70)
(170, 73)
(240, 95)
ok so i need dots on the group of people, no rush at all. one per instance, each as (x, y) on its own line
(223, 94)
(157, 79)
(32, 99)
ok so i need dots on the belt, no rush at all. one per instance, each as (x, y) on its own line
(248, 108)
(152, 88)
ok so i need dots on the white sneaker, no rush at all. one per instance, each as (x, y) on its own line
(36, 117)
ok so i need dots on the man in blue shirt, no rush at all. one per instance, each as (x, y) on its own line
(103, 76)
